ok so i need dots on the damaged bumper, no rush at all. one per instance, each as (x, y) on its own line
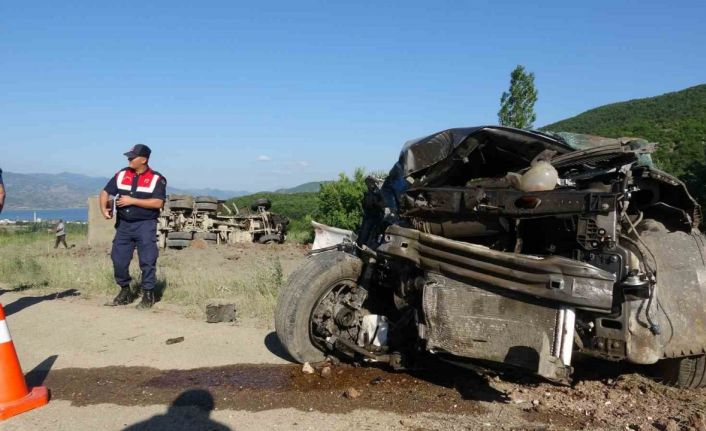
(497, 306)
(556, 279)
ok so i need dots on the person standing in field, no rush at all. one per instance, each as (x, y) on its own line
(139, 193)
(60, 234)
(2, 192)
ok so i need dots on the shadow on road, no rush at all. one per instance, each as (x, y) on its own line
(468, 381)
(28, 301)
(587, 368)
(16, 289)
(39, 373)
(159, 287)
(191, 410)
(276, 348)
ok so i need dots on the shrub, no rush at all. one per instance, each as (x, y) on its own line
(339, 202)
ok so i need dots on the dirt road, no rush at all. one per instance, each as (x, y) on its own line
(110, 368)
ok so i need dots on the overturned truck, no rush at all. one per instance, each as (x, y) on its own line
(185, 218)
(516, 248)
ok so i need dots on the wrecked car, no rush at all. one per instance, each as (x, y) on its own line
(512, 248)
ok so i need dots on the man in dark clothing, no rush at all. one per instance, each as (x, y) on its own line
(139, 194)
(60, 234)
(373, 212)
(2, 192)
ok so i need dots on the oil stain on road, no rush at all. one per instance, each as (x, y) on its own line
(265, 387)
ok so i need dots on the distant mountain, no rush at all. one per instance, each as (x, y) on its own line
(311, 187)
(67, 190)
(216, 193)
(677, 121)
(49, 191)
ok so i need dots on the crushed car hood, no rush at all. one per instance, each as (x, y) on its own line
(454, 157)
(514, 149)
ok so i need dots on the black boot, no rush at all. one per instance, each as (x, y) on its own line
(123, 298)
(147, 300)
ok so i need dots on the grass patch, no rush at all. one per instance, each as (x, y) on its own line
(248, 275)
(196, 278)
(28, 233)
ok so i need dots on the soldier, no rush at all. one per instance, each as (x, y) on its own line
(139, 194)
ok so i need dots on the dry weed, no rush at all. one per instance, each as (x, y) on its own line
(248, 275)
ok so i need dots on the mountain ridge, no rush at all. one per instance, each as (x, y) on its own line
(70, 190)
(310, 187)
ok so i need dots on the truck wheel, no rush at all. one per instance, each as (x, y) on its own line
(269, 239)
(206, 206)
(689, 372)
(262, 202)
(206, 236)
(299, 298)
(206, 199)
(184, 204)
(178, 243)
(180, 235)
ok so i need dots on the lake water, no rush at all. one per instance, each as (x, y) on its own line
(69, 214)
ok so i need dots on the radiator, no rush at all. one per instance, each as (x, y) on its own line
(474, 322)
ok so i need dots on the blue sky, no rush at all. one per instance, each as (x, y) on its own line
(261, 95)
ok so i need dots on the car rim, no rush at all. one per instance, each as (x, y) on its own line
(323, 314)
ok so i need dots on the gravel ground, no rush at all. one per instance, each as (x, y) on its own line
(110, 368)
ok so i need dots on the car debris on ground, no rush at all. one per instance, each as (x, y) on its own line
(174, 340)
(216, 313)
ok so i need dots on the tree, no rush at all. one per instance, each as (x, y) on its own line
(339, 202)
(517, 105)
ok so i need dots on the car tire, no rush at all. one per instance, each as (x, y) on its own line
(180, 235)
(687, 373)
(178, 243)
(302, 293)
(206, 206)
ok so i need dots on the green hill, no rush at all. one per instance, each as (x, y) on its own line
(292, 205)
(677, 121)
(311, 187)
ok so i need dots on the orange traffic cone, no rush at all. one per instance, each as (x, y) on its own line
(14, 396)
